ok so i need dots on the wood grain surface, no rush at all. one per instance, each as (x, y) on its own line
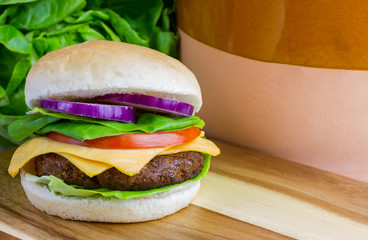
(246, 195)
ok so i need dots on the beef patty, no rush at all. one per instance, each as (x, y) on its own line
(159, 172)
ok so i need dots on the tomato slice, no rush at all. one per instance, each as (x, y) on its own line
(133, 140)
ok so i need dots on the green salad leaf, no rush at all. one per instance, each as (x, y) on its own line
(3, 97)
(8, 2)
(146, 122)
(13, 39)
(30, 29)
(19, 73)
(60, 187)
(125, 31)
(28, 124)
(5, 139)
(83, 128)
(44, 13)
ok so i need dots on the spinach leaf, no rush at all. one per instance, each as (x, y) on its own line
(163, 39)
(40, 45)
(88, 130)
(5, 140)
(8, 12)
(125, 31)
(8, 2)
(62, 28)
(25, 126)
(94, 4)
(53, 44)
(88, 16)
(165, 42)
(44, 13)
(13, 39)
(17, 105)
(155, 19)
(79, 130)
(3, 97)
(19, 73)
(110, 33)
(8, 60)
(141, 14)
(87, 33)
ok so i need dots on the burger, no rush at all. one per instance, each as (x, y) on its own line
(112, 135)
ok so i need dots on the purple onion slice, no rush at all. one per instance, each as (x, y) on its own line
(147, 102)
(102, 111)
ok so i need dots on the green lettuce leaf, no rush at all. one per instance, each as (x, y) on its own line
(110, 33)
(83, 128)
(60, 187)
(147, 122)
(28, 124)
(142, 15)
(150, 123)
(79, 130)
(155, 19)
(125, 31)
(17, 105)
(45, 13)
(87, 33)
(87, 17)
(9, 11)
(13, 39)
(19, 73)
(4, 100)
(5, 140)
(8, 2)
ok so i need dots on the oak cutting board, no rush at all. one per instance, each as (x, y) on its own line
(246, 195)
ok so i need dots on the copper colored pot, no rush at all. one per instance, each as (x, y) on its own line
(285, 77)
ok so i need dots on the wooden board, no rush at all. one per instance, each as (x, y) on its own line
(246, 195)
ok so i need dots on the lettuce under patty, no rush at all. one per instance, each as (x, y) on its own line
(60, 187)
(85, 128)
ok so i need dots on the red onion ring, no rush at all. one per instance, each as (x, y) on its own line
(147, 102)
(102, 111)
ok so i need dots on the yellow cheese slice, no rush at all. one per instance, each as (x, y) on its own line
(199, 145)
(93, 161)
(127, 161)
(90, 167)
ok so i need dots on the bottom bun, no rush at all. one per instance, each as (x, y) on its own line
(101, 209)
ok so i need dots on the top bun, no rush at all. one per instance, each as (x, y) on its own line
(96, 68)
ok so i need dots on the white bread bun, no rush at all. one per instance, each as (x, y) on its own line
(100, 209)
(95, 68)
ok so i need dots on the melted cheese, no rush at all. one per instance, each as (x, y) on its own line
(90, 167)
(199, 145)
(93, 161)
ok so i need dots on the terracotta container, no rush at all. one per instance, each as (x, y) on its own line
(284, 77)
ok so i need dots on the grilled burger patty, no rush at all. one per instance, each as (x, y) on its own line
(159, 172)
